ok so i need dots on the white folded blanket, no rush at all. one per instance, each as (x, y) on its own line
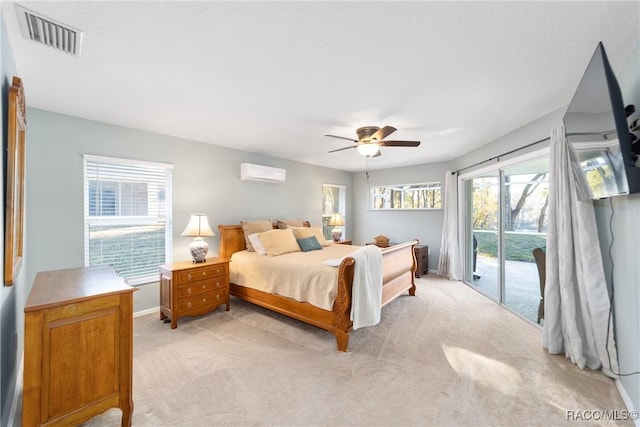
(366, 302)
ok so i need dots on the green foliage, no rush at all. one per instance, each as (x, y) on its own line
(518, 246)
(131, 250)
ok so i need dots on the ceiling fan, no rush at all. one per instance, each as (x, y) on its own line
(371, 138)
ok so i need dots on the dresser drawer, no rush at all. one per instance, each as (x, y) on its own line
(206, 300)
(202, 273)
(197, 288)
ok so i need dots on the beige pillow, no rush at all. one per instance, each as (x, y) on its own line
(302, 232)
(285, 223)
(278, 242)
(251, 227)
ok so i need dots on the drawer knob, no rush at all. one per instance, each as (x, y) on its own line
(217, 271)
(188, 291)
(204, 286)
(189, 305)
(189, 276)
(218, 285)
(204, 273)
(218, 296)
(204, 300)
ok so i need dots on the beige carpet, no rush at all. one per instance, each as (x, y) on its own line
(446, 357)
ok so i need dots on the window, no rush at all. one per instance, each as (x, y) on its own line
(333, 200)
(426, 195)
(127, 216)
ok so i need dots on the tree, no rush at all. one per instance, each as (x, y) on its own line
(513, 212)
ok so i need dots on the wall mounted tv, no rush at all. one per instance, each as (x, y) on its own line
(597, 129)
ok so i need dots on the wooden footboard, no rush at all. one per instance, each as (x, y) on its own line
(399, 265)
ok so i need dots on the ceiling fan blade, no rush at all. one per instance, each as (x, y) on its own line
(342, 137)
(382, 133)
(378, 154)
(400, 143)
(340, 149)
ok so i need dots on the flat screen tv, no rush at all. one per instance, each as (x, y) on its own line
(597, 129)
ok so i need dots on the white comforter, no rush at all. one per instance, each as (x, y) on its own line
(297, 275)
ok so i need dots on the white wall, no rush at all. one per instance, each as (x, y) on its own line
(623, 274)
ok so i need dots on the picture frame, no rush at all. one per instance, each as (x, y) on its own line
(14, 182)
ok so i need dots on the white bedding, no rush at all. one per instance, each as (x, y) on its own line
(298, 275)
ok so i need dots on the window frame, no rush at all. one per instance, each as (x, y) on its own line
(162, 217)
(403, 189)
(342, 208)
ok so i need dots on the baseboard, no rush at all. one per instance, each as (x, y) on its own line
(626, 399)
(147, 311)
(17, 395)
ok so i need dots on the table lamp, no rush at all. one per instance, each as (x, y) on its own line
(198, 228)
(336, 221)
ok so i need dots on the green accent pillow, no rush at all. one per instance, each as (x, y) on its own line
(309, 244)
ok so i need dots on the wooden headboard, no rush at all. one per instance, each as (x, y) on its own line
(232, 239)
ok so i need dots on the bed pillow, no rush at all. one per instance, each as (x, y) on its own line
(251, 227)
(278, 242)
(302, 232)
(309, 244)
(257, 244)
(285, 223)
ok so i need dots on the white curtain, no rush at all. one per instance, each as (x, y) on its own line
(576, 315)
(450, 263)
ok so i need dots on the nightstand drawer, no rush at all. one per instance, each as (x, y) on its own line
(200, 301)
(198, 288)
(202, 273)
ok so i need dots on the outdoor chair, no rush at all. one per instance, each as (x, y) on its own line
(540, 257)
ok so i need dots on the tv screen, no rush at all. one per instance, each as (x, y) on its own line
(596, 126)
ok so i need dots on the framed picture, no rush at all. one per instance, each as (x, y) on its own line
(14, 181)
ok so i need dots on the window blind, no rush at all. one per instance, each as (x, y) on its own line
(127, 216)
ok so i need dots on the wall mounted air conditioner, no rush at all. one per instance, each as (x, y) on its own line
(252, 172)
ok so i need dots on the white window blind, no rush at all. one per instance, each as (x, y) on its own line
(127, 216)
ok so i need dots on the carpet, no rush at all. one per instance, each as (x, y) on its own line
(446, 357)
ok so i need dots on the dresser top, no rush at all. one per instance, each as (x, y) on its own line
(58, 287)
(188, 265)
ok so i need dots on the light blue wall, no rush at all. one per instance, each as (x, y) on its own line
(12, 299)
(403, 225)
(206, 178)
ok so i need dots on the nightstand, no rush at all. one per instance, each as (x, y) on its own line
(422, 259)
(343, 242)
(188, 289)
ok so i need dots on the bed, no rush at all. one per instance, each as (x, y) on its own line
(398, 267)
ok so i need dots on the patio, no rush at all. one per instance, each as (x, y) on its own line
(522, 286)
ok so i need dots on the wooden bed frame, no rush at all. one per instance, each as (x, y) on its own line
(399, 265)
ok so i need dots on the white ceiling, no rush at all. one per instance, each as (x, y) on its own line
(274, 77)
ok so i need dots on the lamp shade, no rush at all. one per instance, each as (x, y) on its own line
(336, 220)
(198, 227)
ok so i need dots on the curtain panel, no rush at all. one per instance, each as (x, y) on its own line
(450, 262)
(577, 306)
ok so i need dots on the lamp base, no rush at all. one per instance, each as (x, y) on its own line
(199, 249)
(337, 234)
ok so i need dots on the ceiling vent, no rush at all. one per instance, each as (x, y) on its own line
(50, 32)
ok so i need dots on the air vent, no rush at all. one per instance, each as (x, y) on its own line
(49, 32)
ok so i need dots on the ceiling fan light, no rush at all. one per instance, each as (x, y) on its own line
(368, 150)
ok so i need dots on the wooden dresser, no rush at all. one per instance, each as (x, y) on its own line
(188, 289)
(78, 347)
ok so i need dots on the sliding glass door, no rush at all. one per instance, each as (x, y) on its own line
(505, 219)
(483, 233)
